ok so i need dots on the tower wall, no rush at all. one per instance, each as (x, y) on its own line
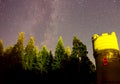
(107, 58)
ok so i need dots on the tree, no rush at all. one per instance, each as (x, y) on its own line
(78, 49)
(87, 70)
(1, 48)
(51, 60)
(59, 55)
(7, 58)
(1, 60)
(44, 60)
(17, 53)
(68, 51)
(7, 64)
(30, 54)
(1, 55)
(66, 64)
(74, 59)
(67, 55)
(13, 59)
(36, 55)
(85, 66)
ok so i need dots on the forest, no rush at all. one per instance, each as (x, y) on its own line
(21, 63)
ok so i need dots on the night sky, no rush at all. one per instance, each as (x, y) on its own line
(46, 20)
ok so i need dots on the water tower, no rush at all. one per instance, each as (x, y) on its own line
(107, 58)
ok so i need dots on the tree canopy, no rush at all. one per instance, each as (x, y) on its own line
(32, 64)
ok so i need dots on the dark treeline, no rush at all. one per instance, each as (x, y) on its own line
(28, 64)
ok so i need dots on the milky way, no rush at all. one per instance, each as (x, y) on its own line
(34, 17)
(46, 20)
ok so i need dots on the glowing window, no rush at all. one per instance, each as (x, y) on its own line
(105, 62)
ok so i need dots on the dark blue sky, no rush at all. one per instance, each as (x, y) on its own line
(46, 20)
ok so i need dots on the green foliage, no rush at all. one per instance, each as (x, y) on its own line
(1, 48)
(51, 56)
(1, 56)
(59, 54)
(17, 52)
(30, 54)
(68, 51)
(41, 64)
(67, 56)
(78, 49)
(44, 60)
(7, 51)
(79, 61)
(20, 48)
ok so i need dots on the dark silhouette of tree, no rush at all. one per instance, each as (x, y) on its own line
(6, 64)
(1, 60)
(1, 54)
(87, 70)
(51, 59)
(7, 56)
(78, 49)
(13, 60)
(65, 64)
(1, 48)
(84, 67)
(17, 53)
(74, 63)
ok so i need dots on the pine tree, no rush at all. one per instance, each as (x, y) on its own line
(59, 55)
(74, 60)
(1, 48)
(87, 70)
(78, 49)
(1, 60)
(13, 59)
(68, 51)
(66, 64)
(17, 53)
(51, 60)
(30, 54)
(44, 60)
(85, 66)
(7, 57)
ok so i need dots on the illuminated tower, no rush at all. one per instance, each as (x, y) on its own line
(107, 58)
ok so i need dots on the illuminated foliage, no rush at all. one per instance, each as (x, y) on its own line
(1, 48)
(17, 53)
(43, 60)
(34, 64)
(59, 54)
(30, 54)
(68, 51)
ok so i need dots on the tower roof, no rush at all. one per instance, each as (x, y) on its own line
(105, 41)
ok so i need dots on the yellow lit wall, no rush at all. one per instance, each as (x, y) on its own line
(105, 41)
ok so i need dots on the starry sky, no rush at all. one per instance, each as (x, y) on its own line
(46, 20)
